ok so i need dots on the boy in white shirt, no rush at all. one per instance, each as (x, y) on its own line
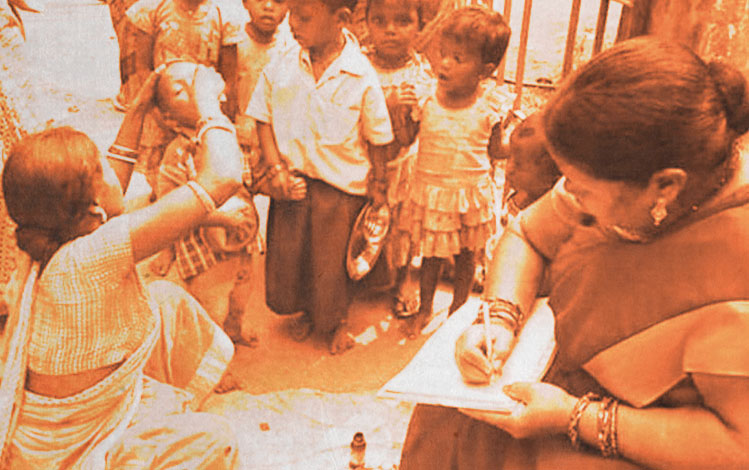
(323, 126)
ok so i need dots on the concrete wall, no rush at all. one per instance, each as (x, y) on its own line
(715, 29)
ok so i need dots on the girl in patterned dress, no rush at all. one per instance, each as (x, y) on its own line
(407, 81)
(450, 208)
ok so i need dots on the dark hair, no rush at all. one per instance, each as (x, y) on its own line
(412, 4)
(48, 184)
(481, 28)
(334, 5)
(645, 105)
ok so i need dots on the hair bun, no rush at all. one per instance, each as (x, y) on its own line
(38, 242)
(732, 86)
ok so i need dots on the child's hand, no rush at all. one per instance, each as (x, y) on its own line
(406, 94)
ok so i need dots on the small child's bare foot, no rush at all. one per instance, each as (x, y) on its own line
(163, 261)
(228, 383)
(413, 325)
(301, 327)
(341, 340)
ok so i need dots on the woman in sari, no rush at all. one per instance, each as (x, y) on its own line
(83, 332)
(642, 248)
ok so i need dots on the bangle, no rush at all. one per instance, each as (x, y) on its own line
(209, 123)
(122, 150)
(122, 158)
(573, 428)
(504, 311)
(614, 429)
(607, 427)
(123, 154)
(203, 196)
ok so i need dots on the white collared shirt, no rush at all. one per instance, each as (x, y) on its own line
(322, 127)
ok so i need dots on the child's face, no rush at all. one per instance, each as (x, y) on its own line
(313, 24)
(392, 24)
(459, 68)
(173, 94)
(266, 15)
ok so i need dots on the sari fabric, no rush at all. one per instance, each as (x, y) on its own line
(633, 320)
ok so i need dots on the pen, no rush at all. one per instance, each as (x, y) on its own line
(487, 339)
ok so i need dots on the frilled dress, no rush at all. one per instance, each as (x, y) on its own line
(452, 198)
(633, 320)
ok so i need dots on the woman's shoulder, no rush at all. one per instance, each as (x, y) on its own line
(104, 253)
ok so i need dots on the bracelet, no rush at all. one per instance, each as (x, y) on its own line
(573, 428)
(504, 311)
(122, 158)
(213, 123)
(122, 150)
(123, 154)
(607, 427)
(205, 199)
(614, 429)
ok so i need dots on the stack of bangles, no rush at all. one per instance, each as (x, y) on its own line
(123, 154)
(503, 312)
(606, 419)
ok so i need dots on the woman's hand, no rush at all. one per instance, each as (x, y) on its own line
(206, 91)
(470, 352)
(543, 409)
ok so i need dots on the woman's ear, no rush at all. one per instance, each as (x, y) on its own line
(667, 184)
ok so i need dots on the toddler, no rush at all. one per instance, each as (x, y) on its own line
(406, 81)
(324, 129)
(450, 208)
(160, 31)
(209, 256)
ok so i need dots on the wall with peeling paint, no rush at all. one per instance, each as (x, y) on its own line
(715, 29)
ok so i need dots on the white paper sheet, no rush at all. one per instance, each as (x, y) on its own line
(433, 377)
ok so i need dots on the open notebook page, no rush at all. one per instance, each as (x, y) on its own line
(432, 376)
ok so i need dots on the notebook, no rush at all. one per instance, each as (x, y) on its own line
(432, 376)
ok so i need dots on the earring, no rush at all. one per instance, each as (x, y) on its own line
(98, 210)
(659, 211)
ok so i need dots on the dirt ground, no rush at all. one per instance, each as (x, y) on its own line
(298, 406)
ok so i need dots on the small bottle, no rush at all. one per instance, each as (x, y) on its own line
(358, 447)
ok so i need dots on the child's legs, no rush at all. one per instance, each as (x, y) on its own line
(212, 288)
(333, 213)
(430, 273)
(286, 256)
(465, 269)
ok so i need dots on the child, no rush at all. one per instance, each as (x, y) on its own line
(450, 208)
(406, 81)
(323, 127)
(264, 40)
(530, 170)
(209, 256)
(160, 31)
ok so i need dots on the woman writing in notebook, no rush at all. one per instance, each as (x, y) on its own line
(641, 245)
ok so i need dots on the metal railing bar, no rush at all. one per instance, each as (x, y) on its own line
(522, 51)
(569, 47)
(603, 13)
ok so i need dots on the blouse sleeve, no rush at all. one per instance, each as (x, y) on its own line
(102, 258)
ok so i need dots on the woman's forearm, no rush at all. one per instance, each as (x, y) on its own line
(685, 437)
(515, 271)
